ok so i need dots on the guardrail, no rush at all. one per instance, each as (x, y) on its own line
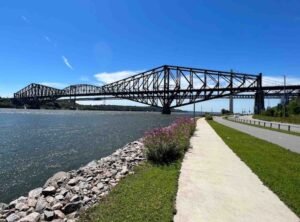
(273, 125)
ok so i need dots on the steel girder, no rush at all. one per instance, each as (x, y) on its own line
(165, 86)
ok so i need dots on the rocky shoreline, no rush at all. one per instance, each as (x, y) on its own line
(67, 194)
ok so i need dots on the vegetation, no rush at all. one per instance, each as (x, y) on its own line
(225, 112)
(147, 195)
(288, 114)
(165, 145)
(208, 116)
(277, 167)
(66, 105)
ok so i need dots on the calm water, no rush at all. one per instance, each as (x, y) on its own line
(36, 144)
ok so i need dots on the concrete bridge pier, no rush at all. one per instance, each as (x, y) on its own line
(231, 104)
(259, 102)
(166, 109)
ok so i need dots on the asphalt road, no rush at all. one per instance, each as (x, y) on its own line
(284, 140)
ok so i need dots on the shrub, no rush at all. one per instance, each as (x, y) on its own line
(208, 117)
(165, 145)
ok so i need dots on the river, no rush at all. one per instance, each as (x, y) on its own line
(35, 144)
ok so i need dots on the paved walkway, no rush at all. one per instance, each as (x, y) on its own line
(216, 186)
(284, 140)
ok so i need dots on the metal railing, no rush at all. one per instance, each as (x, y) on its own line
(267, 124)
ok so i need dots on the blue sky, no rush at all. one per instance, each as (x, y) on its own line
(84, 41)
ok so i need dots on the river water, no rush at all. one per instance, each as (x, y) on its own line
(35, 144)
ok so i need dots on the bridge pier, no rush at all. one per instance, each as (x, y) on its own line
(259, 102)
(259, 98)
(231, 104)
(166, 109)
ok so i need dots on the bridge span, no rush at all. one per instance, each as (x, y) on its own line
(168, 87)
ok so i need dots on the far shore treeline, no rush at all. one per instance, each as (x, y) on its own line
(66, 105)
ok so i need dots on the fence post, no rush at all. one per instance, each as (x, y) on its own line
(279, 126)
(264, 124)
(289, 128)
(270, 125)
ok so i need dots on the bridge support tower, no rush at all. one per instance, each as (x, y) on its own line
(259, 98)
(231, 104)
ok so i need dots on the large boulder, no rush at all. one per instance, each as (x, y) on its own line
(71, 207)
(57, 179)
(33, 217)
(35, 193)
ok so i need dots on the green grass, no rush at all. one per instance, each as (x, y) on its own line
(278, 168)
(291, 119)
(269, 128)
(147, 195)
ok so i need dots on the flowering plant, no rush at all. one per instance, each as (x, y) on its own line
(164, 145)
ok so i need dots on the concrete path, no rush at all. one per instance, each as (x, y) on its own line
(216, 186)
(284, 140)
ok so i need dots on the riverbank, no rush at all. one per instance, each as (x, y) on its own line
(65, 195)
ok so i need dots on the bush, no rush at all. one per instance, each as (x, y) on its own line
(208, 117)
(165, 145)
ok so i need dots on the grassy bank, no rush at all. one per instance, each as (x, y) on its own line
(147, 195)
(277, 167)
(291, 119)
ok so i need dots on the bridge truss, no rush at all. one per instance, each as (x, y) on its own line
(168, 87)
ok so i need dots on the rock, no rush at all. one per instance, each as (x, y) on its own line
(33, 217)
(21, 206)
(59, 214)
(95, 190)
(22, 214)
(35, 193)
(57, 179)
(31, 202)
(41, 205)
(86, 199)
(89, 179)
(72, 182)
(57, 206)
(92, 164)
(100, 186)
(12, 217)
(64, 192)
(124, 170)
(75, 198)
(49, 191)
(71, 207)
(48, 215)
(59, 197)
(17, 201)
(3, 206)
(50, 200)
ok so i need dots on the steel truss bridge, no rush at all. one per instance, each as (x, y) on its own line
(167, 87)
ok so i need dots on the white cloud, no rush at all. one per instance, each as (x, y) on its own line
(109, 77)
(66, 61)
(57, 85)
(25, 19)
(47, 38)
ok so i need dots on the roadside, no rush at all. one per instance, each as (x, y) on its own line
(294, 119)
(264, 125)
(286, 141)
(215, 185)
(277, 167)
(273, 124)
